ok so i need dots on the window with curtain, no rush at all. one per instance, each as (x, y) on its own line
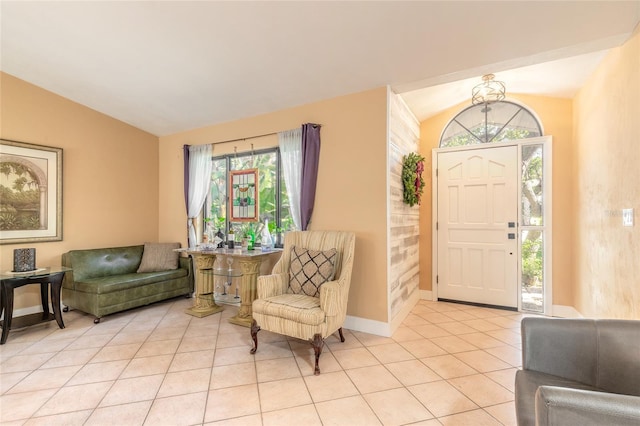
(273, 200)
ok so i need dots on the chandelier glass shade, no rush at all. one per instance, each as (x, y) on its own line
(488, 91)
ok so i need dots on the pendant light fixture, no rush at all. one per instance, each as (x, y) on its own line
(488, 91)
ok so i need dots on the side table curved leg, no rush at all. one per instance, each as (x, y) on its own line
(44, 298)
(56, 287)
(7, 305)
(1, 302)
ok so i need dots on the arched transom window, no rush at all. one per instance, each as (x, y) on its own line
(487, 123)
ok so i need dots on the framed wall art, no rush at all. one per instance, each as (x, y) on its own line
(30, 193)
(243, 195)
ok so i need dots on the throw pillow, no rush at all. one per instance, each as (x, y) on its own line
(159, 257)
(309, 269)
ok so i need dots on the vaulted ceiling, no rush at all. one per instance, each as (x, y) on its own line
(171, 66)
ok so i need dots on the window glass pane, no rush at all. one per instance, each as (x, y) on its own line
(532, 211)
(216, 206)
(522, 125)
(497, 115)
(456, 135)
(494, 122)
(273, 205)
(532, 270)
(472, 120)
(267, 184)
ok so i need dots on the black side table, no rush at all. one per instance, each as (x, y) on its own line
(48, 276)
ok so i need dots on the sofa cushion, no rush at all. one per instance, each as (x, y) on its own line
(113, 283)
(94, 263)
(159, 257)
(309, 269)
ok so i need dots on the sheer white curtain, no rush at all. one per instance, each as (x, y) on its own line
(200, 167)
(290, 142)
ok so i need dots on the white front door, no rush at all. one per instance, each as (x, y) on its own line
(476, 225)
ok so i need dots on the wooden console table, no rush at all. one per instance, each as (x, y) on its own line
(9, 282)
(249, 262)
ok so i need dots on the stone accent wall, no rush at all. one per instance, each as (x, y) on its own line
(404, 265)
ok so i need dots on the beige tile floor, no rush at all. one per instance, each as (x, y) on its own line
(448, 364)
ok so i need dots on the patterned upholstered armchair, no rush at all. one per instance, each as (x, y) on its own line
(306, 295)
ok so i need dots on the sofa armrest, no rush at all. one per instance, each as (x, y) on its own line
(272, 285)
(561, 347)
(68, 281)
(565, 406)
(186, 262)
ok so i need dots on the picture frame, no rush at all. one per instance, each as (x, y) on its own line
(243, 195)
(30, 193)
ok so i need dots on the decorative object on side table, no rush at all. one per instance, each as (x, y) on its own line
(266, 242)
(220, 236)
(24, 260)
(412, 182)
(278, 243)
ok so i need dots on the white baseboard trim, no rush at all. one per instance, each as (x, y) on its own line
(406, 310)
(380, 328)
(426, 295)
(563, 311)
(365, 325)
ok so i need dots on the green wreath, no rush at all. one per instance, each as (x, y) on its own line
(412, 182)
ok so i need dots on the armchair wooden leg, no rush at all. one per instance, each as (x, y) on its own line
(254, 335)
(318, 343)
(341, 335)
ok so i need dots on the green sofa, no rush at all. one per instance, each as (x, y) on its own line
(106, 280)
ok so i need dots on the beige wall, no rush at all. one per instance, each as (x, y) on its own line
(110, 174)
(351, 191)
(607, 159)
(556, 117)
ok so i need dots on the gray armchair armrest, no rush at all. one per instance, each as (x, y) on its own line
(562, 347)
(565, 406)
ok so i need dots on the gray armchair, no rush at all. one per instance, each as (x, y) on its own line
(579, 372)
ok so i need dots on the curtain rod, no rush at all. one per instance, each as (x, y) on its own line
(256, 136)
(244, 139)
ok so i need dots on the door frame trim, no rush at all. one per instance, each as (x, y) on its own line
(547, 145)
